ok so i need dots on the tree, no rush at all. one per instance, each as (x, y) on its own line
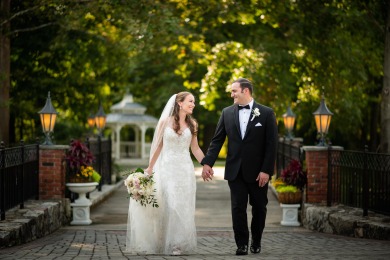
(4, 69)
(385, 105)
(86, 51)
(88, 54)
(307, 46)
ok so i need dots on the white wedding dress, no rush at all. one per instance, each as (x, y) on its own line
(171, 227)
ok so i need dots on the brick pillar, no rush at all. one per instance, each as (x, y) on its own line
(317, 173)
(52, 171)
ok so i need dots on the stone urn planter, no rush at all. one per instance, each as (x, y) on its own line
(290, 215)
(293, 180)
(81, 206)
(290, 198)
(82, 179)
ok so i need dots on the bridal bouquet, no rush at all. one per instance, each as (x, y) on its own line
(140, 187)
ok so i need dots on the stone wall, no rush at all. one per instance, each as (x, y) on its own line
(40, 217)
(346, 221)
(36, 220)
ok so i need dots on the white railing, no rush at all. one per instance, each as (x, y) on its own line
(132, 150)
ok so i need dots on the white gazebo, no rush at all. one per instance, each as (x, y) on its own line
(127, 116)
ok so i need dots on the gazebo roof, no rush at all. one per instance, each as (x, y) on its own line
(130, 119)
(126, 112)
(127, 106)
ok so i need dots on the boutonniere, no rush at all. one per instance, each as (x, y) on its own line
(255, 113)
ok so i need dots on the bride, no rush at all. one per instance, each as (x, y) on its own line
(170, 228)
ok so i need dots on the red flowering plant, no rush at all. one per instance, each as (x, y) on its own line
(294, 174)
(80, 159)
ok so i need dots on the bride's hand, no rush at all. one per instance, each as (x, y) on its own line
(148, 171)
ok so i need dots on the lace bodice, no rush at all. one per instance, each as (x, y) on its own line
(176, 147)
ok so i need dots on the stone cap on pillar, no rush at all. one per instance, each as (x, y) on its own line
(321, 148)
(53, 147)
(294, 139)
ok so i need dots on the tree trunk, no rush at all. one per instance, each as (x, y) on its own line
(4, 71)
(374, 125)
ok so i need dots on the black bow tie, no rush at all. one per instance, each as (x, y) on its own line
(241, 107)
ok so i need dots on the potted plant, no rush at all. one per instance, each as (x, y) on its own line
(289, 192)
(291, 183)
(294, 174)
(82, 180)
(79, 159)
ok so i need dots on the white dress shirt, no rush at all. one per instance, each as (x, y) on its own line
(244, 116)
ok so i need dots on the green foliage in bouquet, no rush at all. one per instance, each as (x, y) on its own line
(140, 187)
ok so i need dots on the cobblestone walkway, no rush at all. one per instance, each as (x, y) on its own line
(102, 244)
(105, 238)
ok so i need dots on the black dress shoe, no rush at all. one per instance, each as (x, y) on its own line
(255, 249)
(242, 250)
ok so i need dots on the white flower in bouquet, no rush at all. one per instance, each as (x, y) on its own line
(140, 187)
(149, 190)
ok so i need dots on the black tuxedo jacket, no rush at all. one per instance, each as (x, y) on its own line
(255, 153)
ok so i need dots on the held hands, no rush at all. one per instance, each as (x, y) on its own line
(263, 179)
(207, 173)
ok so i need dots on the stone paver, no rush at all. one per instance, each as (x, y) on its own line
(105, 237)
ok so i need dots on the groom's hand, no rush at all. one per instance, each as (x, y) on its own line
(207, 173)
(263, 179)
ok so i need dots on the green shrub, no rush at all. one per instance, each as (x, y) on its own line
(287, 188)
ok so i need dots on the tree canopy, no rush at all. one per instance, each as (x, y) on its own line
(85, 52)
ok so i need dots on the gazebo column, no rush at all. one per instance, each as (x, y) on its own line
(143, 132)
(118, 142)
(113, 144)
(137, 141)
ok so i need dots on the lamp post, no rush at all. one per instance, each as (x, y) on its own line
(100, 120)
(322, 118)
(289, 120)
(48, 117)
(91, 120)
(91, 123)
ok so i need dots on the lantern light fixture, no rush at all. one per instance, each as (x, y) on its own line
(48, 116)
(289, 121)
(100, 120)
(322, 118)
(91, 120)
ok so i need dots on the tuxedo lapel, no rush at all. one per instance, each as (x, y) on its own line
(237, 120)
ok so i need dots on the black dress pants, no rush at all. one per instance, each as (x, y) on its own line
(240, 192)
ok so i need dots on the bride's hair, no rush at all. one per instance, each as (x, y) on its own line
(191, 122)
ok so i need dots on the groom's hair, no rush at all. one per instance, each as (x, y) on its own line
(245, 83)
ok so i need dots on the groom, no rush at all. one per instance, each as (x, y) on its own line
(252, 139)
